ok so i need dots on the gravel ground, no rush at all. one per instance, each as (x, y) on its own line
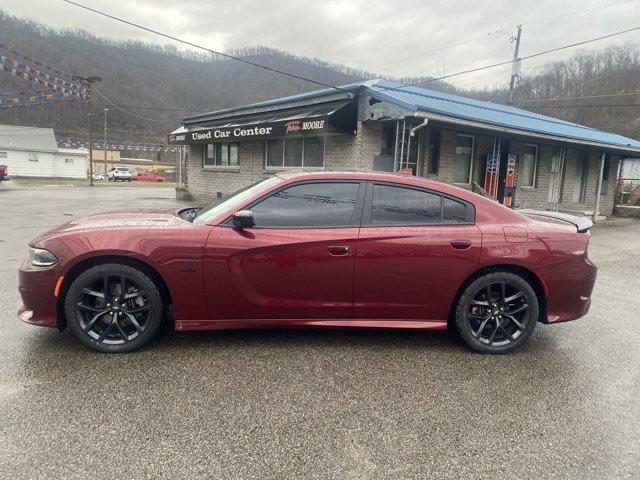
(316, 403)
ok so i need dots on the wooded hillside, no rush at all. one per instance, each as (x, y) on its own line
(163, 84)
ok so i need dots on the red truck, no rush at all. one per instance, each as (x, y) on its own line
(4, 172)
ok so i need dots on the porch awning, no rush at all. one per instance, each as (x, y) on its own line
(330, 117)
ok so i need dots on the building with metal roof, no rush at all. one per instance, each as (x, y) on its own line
(34, 152)
(521, 158)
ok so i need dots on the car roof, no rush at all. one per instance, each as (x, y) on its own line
(409, 180)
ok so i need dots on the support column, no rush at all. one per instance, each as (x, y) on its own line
(596, 207)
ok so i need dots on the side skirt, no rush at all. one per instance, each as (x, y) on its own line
(311, 323)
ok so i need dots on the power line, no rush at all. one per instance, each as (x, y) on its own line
(499, 64)
(562, 15)
(588, 106)
(578, 98)
(176, 39)
(160, 109)
(501, 30)
(128, 112)
(445, 47)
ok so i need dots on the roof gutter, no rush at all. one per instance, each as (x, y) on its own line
(514, 131)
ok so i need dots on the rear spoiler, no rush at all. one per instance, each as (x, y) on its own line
(581, 223)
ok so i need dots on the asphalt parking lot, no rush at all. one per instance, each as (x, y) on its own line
(316, 403)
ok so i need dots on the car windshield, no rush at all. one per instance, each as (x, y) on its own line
(216, 208)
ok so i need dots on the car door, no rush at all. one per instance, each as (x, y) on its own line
(415, 249)
(295, 263)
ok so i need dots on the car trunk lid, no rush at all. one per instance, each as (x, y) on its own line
(582, 224)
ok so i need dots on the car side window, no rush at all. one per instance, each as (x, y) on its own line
(398, 205)
(312, 205)
(453, 211)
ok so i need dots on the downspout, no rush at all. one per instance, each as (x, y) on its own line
(412, 133)
(424, 123)
(395, 152)
(596, 208)
(404, 130)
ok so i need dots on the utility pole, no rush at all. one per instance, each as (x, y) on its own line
(90, 147)
(515, 68)
(106, 111)
(89, 80)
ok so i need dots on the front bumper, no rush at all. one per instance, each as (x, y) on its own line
(569, 286)
(36, 287)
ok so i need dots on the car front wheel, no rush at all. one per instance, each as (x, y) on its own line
(497, 312)
(113, 308)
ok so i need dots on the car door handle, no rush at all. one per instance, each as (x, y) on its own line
(337, 251)
(460, 244)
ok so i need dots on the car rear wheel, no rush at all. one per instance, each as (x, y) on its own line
(113, 308)
(497, 312)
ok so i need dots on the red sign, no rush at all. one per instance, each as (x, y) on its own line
(491, 176)
(510, 181)
(292, 126)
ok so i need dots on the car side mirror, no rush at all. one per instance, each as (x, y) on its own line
(243, 219)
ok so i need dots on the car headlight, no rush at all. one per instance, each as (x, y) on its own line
(38, 257)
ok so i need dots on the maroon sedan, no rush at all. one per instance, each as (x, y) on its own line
(147, 177)
(313, 250)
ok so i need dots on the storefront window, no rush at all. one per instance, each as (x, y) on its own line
(220, 154)
(529, 165)
(313, 152)
(295, 152)
(274, 153)
(464, 158)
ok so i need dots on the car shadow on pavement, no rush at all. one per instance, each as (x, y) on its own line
(168, 340)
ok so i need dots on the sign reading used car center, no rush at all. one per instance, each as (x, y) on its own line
(251, 132)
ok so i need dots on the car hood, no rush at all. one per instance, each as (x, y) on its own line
(120, 219)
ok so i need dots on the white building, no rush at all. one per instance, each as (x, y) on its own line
(33, 152)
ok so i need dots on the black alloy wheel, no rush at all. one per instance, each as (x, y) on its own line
(113, 308)
(497, 312)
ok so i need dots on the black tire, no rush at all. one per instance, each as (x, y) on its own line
(503, 322)
(104, 318)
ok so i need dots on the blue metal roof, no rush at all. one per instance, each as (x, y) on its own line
(414, 98)
(463, 108)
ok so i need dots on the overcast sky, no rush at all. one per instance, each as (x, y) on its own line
(388, 37)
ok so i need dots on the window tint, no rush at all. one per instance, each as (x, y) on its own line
(398, 205)
(308, 205)
(453, 211)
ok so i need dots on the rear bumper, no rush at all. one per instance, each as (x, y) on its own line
(569, 286)
(39, 305)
